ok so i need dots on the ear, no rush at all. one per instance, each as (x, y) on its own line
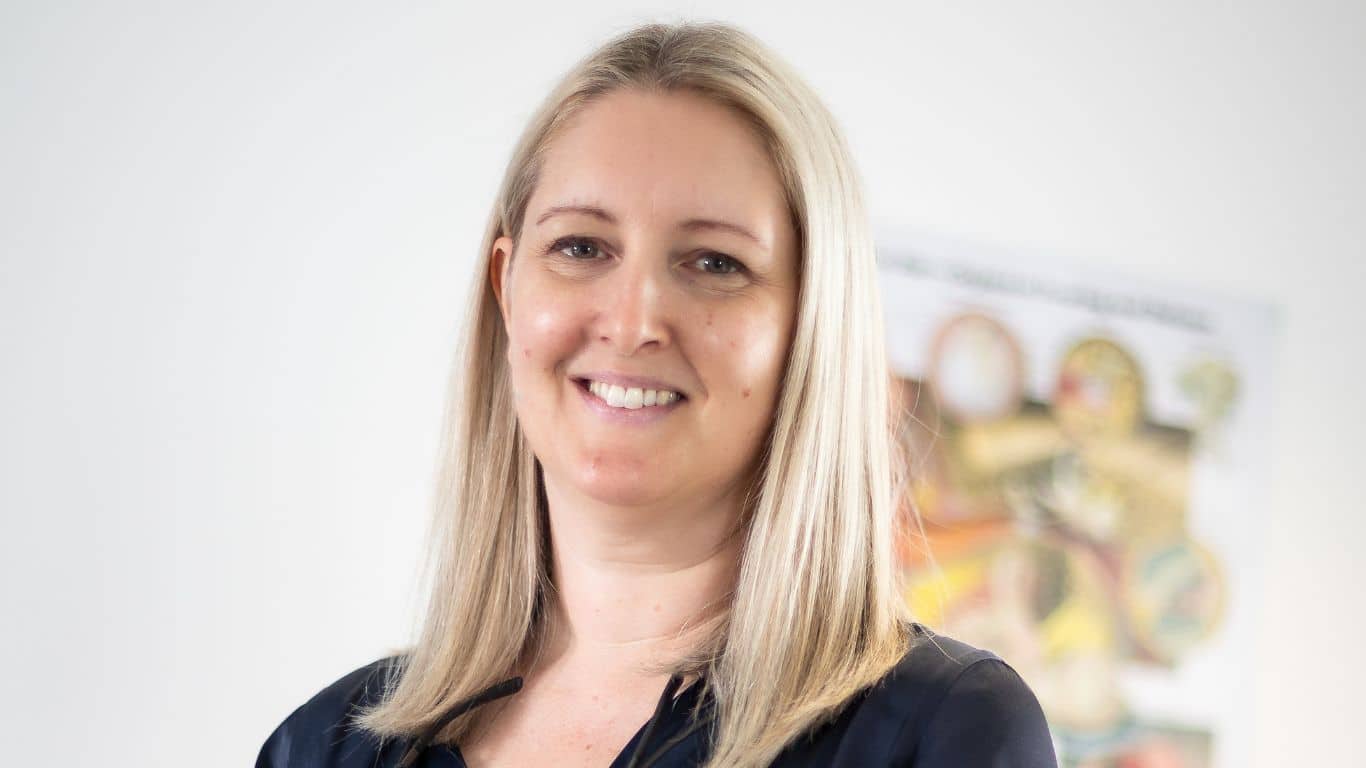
(500, 265)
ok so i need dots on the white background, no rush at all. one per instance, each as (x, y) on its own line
(236, 237)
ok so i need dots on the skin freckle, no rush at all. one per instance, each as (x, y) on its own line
(745, 392)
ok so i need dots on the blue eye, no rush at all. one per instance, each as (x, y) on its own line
(718, 264)
(566, 244)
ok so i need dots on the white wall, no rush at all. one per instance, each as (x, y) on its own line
(235, 241)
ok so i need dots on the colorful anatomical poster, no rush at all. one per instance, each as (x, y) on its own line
(1085, 471)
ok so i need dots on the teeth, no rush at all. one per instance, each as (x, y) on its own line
(631, 397)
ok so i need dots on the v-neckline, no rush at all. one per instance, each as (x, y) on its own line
(660, 735)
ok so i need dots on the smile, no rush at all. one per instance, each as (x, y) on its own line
(631, 398)
(626, 405)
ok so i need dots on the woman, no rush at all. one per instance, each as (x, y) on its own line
(670, 466)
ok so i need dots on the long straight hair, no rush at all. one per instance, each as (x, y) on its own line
(817, 614)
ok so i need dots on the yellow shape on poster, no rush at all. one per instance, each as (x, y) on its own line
(932, 592)
(1074, 626)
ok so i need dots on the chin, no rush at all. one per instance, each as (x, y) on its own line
(619, 480)
(621, 491)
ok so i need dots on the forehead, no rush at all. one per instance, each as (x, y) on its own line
(656, 157)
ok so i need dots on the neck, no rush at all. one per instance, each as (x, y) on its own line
(633, 585)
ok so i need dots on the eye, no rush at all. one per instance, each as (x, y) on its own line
(718, 264)
(575, 248)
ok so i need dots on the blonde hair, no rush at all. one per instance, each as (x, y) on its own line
(817, 614)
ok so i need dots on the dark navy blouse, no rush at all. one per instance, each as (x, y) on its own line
(945, 705)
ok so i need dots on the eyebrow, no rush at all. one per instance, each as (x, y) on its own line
(691, 225)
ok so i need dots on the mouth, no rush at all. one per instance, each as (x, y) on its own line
(619, 398)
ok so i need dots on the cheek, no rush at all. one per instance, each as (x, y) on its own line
(749, 352)
(542, 332)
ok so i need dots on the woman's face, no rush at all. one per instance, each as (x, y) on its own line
(657, 256)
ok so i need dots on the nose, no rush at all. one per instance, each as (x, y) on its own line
(633, 316)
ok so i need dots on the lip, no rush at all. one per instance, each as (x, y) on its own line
(647, 415)
(625, 381)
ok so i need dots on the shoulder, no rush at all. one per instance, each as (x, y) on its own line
(946, 703)
(320, 733)
(959, 705)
